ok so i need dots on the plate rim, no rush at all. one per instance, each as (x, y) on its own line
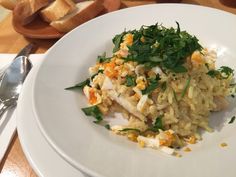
(24, 99)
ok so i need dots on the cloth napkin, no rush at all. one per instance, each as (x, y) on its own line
(8, 121)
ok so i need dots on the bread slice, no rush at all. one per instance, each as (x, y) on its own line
(111, 5)
(26, 10)
(8, 4)
(57, 10)
(86, 11)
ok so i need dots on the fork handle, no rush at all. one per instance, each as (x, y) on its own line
(3, 108)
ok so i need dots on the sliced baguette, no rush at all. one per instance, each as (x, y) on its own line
(8, 4)
(57, 10)
(26, 10)
(86, 11)
(111, 5)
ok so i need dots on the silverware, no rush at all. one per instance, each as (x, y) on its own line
(24, 52)
(13, 78)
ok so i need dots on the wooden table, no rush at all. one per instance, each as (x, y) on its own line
(15, 163)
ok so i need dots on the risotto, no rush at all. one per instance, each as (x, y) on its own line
(163, 82)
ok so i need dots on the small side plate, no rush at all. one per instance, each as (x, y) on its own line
(37, 29)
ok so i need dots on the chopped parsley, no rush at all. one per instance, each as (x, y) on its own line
(102, 58)
(107, 126)
(157, 124)
(163, 86)
(222, 73)
(214, 73)
(175, 95)
(150, 88)
(117, 40)
(232, 120)
(232, 84)
(226, 72)
(131, 129)
(130, 81)
(153, 84)
(180, 69)
(157, 45)
(79, 85)
(186, 87)
(93, 111)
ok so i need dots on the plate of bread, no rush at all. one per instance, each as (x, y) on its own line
(51, 19)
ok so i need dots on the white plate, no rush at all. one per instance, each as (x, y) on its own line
(45, 161)
(91, 148)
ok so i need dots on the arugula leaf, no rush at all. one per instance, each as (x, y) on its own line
(99, 71)
(102, 58)
(79, 85)
(84, 83)
(93, 111)
(130, 129)
(186, 87)
(130, 81)
(157, 124)
(232, 120)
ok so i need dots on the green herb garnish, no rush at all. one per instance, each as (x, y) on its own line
(153, 84)
(117, 40)
(222, 73)
(99, 71)
(226, 72)
(79, 85)
(232, 84)
(131, 129)
(95, 112)
(207, 65)
(232, 120)
(130, 81)
(163, 86)
(185, 87)
(102, 58)
(175, 95)
(179, 69)
(157, 124)
(157, 45)
(213, 73)
(107, 126)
